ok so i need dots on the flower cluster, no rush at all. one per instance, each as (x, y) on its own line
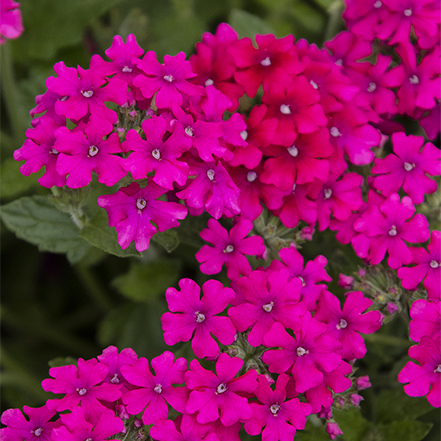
(10, 20)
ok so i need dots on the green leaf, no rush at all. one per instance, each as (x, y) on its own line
(248, 25)
(352, 423)
(53, 24)
(395, 405)
(404, 430)
(13, 183)
(168, 239)
(312, 432)
(145, 281)
(62, 361)
(36, 220)
(98, 233)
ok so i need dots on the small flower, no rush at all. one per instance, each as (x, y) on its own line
(11, 25)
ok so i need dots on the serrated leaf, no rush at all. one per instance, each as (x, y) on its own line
(395, 405)
(404, 430)
(36, 220)
(352, 423)
(145, 281)
(13, 183)
(168, 239)
(98, 233)
(248, 25)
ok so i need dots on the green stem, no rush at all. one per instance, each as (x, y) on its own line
(334, 22)
(12, 97)
(94, 287)
(387, 340)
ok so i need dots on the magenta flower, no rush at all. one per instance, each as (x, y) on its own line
(189, 430)
(77, 426)
(428, 268)
(133, 209)
(279, 419)
(425, 378)
(348, 323)
(426, 319)
(333, 430)
(11, 25)
(38, 150)
(80, 385)
(46, 103)
(408, 167)
(37, 428)
(268, 297)
(159, 153)
(153, 392)
(84, 93)
(348, 48)
(229, 248)
(310, 349)
(388, 226)
(192, 314)
(219, 396)
(168, 80)
(213, 189)
(81, 152)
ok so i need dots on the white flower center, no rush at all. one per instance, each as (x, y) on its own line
(408, 12)
(251, 176)
(229, 249)
(38, 432)
(158, 388)
(293, 151)
(434, 264)
(284, 108)
(210, 174)
(339, 62)
(115, 379)
(209, 82)
(438, 369)
(266, 62)
(343, 324)
(93, 150)
(189, 131)
(378, 4)
(268, 307)
(156, 154)
(274, 408)
(244, 135)
(82, 391)
(199, 317)
(371, 87)
(393, 231)
(221, 388)
(302, 280)
(301, 351)
(408, 166)
(327, 193)
(313, 84)
(87, 93)
(126, 69)
(294, 186)
(141, 203)
(414, 79)
(334, 132)
(168, 78)
(53, 151)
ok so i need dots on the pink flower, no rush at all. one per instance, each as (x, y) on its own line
(408, 167)
(348, 48)
(310, 349)
(269, 297)
(425, 378)
(346, 282)
(132, 209)
(333, 430)
(428, 268)
(426, 319)
(191, 314)
(153, 392)
(80, 385)
(279, 419)
(363, 382)
(229, 248)
(168, 80)
(218, 396)
(37, 428)
(386, 226)
(10, 20)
